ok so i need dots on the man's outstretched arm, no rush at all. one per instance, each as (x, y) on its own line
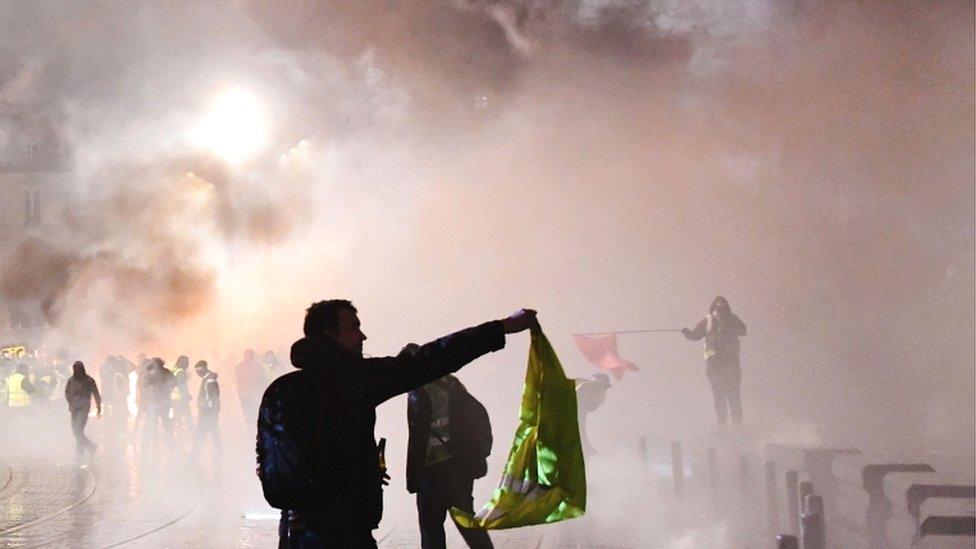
(697, 333)
(392, 376)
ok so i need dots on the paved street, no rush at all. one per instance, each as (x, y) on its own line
(124, 498)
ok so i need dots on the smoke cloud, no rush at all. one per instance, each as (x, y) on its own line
(614, 164)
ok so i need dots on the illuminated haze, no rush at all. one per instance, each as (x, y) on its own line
(613, 164)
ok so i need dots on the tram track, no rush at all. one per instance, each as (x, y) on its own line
(10, 476)
(152, 531)
(39, 520)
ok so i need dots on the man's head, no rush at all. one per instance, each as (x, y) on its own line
(602, 380)
(78, 368)
(201, 368)
(720, 306)
(337, 319)
(183, 362)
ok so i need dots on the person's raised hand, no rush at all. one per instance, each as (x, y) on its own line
(520, 320)
(410, 349)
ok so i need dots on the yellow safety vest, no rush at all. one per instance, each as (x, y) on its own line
(17, 397)
(176, 393)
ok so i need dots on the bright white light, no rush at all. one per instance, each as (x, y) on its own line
(235, 128)
(251, 515)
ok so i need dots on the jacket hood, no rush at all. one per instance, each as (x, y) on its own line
(320, 354)
(719, 301)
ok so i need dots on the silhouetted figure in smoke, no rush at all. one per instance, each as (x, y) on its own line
(142, 367)
(157, 383)
(270, 368)
(180, 395)
(45, 383)
(113, 376)
(105, 373)
(318, 459)
(208, 409)
(5, 369)
(445, 454)
(121, 390)
(249, 380)
(590, 394)
(722, 330)
(79, 391)
(19, 391)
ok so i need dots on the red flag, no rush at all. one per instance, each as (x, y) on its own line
(602, 352)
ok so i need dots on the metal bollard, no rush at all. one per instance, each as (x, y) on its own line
(712, 458)
(918, 493)
(677, 468)
(793, 500)
(879, 506)
(745, 475)
(642, 453)
(806, 488)
(772, 503)
(812, 523)
(815, 506)
(786, 541)
(818, 463)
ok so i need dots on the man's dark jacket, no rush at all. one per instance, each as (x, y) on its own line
(328, 408)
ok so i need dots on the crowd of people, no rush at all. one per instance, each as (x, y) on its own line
(153, 406)
(318, 458)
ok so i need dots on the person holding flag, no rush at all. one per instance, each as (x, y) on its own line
(317, 456)
(721, 330)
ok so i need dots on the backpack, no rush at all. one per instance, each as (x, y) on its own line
(288, 476)
(471, 439)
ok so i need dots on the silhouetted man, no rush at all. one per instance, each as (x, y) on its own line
(317, 454)
(248, 374)
(180, 394)
(590, 394)
(208, 408)
(79, 391)
(446, 452)
(722, 330)
(157, 383)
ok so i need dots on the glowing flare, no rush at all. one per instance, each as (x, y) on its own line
(235, 128)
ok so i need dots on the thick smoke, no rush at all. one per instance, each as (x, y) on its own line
(613, 163)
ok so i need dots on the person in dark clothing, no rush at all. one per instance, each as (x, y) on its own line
(157, 384)
(316, 450)
(250, 383)
(208, 408)
(180, 395)
(436, 471)
(591, 393)
(79, 391)
(105, 373)
(721, 330)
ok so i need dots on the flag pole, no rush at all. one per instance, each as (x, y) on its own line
(659, 330)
